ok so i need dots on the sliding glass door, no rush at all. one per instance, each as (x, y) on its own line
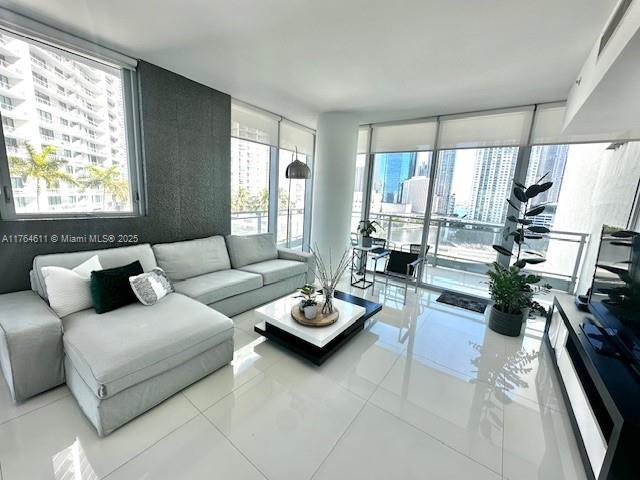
(469, 206)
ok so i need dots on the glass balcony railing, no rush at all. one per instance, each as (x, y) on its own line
(467, 245)
(247, 223)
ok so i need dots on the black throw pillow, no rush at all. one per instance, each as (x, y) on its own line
(110, 288)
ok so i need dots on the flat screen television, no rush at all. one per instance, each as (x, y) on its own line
(615, 291)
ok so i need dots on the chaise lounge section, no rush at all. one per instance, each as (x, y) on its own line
(121, 363)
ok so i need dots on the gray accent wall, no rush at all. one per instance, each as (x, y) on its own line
(186, 130)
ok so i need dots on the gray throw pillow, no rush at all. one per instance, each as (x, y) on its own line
(151, 287)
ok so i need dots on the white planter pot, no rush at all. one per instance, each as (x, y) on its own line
(310, 312)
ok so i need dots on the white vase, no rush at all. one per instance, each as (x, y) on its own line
(310, 312)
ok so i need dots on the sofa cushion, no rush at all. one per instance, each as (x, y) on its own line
(216, 286)
(110, 288)
(248, 249)
(118, 349)
(273, 271)
(70, 290)
(109, 258)
(182, 260)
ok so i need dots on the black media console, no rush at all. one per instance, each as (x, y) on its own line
(602, 394)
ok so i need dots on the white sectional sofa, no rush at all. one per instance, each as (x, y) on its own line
(121, 363)
(236, 273)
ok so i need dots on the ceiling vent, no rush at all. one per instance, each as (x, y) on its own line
(613, 24)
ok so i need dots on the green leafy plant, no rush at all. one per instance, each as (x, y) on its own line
(513, 291)
(308, 295)
(524, 228)
(367, 227)
(41, 166)
(109, 180)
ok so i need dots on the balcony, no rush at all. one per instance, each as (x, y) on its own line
(250, 222)
(39, 63)
(466, 246)
(10, 69)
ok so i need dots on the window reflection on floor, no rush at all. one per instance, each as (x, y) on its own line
(72, 464)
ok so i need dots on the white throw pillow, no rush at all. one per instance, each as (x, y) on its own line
(151, 287)
(69, 291)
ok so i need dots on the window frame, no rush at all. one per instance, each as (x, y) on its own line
(88, 53)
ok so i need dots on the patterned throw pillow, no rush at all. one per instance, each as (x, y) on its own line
(152, 286)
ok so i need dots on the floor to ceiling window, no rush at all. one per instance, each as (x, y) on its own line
(296, 143)
(291, 201)
(476, 164)
(469, 205)
(400, 181)
(595, 179)
(254, 138)
(399, 194)
(263, 199)
(360, 179)
(249, 187)
(358, 192)
(458, 171)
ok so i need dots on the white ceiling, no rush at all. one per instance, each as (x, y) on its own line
(382, 59)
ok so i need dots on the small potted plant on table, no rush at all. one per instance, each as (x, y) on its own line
(512, 290)
(365, 229)
(308, 304)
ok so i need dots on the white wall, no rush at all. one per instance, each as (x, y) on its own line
(335, 167)
(605, 198)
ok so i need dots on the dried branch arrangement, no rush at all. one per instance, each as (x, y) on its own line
(329, 276)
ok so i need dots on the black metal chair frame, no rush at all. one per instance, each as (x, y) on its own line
(411, 273)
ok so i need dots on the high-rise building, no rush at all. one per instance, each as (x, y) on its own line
(250, 166)
(549, 161)
(444, 203)
(391, 170)
(493, 172)
(49, 99)
(414, 193)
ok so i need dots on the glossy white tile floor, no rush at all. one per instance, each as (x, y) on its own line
(426, 391)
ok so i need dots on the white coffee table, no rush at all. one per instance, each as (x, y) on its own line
(314, 343)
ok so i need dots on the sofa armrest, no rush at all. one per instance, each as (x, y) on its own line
(299, 256)
(31, 354)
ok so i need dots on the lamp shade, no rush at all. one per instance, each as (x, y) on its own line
(297, 170)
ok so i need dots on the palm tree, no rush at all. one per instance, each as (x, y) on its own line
(240, 200)
(109, 180)
(41, 166)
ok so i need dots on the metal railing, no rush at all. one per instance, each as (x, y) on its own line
(467, 245)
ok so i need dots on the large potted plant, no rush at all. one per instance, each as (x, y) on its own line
(365, 229)
(512, 290)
